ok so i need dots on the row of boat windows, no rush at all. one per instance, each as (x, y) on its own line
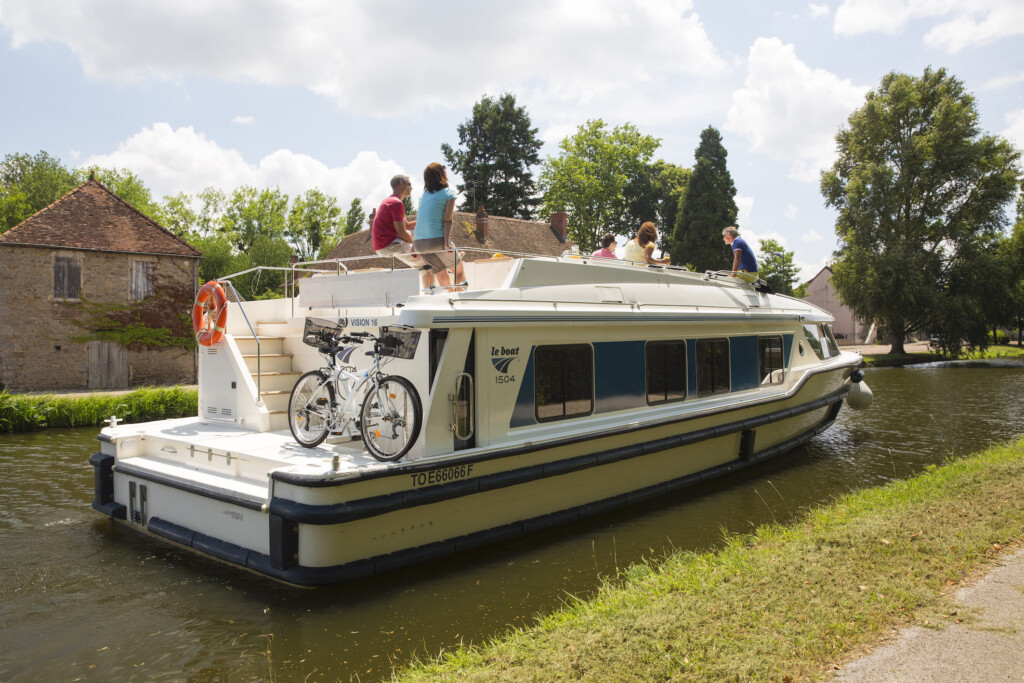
(564, 384)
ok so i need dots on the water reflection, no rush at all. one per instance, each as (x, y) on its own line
(82, 599)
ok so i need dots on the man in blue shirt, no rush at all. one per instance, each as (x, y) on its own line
(743, 260)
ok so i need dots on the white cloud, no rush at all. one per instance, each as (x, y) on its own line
(790, 111)
(171, 161)
(1003, 81)
(811, 236)
(1015, 128)
(791, 211)
(556, 50)
(978, 25)
(243, 120)
(966, 24)
(855, 17)
(814, 10)
(746, 208)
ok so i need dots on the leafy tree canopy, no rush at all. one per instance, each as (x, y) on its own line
(776, 266)
(497, 148)
(355, 218)
(252, 212)
(30, 183)
(922, 195)
(591, 177)
(313, 223)
(707, 206)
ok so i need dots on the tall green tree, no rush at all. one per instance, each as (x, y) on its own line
(776, 266)
(355, 218)
(707, 206)
(657, 198)
(179, 217)
(313, 223)
(922, 195)
(251, 212)
(591, 177)
(30, 183)
(497, 148)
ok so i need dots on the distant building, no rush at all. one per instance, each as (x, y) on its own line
(477, 231)
(78, 277)
(821, 293)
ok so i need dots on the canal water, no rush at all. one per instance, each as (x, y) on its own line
(81, 599)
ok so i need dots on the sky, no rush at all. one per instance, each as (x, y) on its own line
(342, 94)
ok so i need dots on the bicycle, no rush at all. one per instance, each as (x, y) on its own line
(322, 401)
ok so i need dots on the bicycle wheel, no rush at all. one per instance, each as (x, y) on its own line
(391, 418)
(309, 409)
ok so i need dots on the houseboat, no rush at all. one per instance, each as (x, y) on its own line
(550, 389)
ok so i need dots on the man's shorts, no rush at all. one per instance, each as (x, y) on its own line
(402, 251)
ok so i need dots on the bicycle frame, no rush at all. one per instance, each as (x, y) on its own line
(350, 385)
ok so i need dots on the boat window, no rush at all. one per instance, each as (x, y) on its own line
(666, 371)
(564, 377)
(813, 335)
(770, 363)
(833, 345)
(712, 366)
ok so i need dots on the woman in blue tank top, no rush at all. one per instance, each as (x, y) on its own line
(434, 226)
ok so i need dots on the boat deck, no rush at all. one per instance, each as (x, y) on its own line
(232, 458)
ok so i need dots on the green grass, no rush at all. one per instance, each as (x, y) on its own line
(782, 602)
(996, 351)
(31, 412)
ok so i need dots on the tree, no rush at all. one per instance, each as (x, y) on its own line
(30, 183)
(252, 212)
(776, 266)
(313, 223)
(655, 196)
(497, 148)
(921, 195)
(210, 218)
(178, 216)
(355, 218)
(219, 257)
(590, 179)
(707, 206)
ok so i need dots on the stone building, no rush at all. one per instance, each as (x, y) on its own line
(821, 293)
(94, 295)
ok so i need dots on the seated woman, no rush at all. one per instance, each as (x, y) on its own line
(641, 248)
(434, 227)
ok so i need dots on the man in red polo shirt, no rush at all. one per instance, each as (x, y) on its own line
(392, 231)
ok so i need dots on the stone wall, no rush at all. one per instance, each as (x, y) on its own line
(37, 351)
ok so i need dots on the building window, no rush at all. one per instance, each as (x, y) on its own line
(712, 366)
(564, 381)
(770, 363)
(67, 277)
(142, 280)
(666, 371)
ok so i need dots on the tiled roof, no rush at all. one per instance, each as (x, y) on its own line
(506, 235)
(94, 218)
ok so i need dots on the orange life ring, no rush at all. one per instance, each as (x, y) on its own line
(209, 318)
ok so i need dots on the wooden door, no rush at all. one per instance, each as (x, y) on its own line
(108, 365)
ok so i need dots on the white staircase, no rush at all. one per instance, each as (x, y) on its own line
(271, 369)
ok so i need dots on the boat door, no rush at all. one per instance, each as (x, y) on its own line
(463, 398)
(464, 402)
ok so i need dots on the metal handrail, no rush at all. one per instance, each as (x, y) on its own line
(238, 300)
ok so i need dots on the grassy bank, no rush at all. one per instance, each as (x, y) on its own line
(781, 603)
(888, 359)
(30, 412)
